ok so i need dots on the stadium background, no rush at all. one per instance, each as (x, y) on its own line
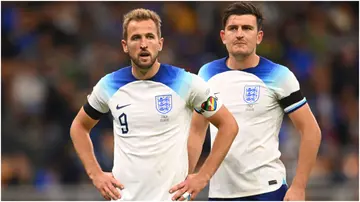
(54, 52)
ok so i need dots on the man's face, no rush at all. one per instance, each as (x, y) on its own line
(241, 35)
(143, 43)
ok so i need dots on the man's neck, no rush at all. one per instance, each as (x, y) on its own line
(143, 74)
(241, 63)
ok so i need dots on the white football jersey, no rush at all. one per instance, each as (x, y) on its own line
(258, 97)
(151, 126)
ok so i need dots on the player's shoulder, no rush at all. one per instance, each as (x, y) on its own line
(123, 73)
(271, 66)
(274, 74)
(173, 75)
(212, 68)
(214, 63)
(170, 71)
(118, 78)
(168, 74)
(268, 70)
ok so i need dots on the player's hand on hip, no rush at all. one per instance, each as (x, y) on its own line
(189, 188)
(107, 184)
(295, 194)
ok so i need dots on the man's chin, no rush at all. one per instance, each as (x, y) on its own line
(145, 66)
(241, 53)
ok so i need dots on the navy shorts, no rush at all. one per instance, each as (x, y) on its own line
(277, 195)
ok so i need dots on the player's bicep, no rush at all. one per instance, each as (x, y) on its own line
(84, 121)
(199, 124)
(222, 117)
(303, 117)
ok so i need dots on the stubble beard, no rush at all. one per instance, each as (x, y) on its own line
(144, 68)
(243, 55)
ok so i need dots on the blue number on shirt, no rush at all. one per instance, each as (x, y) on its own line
(123, 123)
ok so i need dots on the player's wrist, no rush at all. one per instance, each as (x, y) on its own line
(298, 184)
(204, 175)
(94, 173)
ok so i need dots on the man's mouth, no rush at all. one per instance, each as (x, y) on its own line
(239, 43)
(144, 54)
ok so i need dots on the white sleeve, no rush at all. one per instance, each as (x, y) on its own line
(99, 96)
(288, 92)
(202, 98)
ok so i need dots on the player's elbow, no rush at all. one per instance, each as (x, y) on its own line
(232, 126)
(74, 128)
(235, 127)
(317, 134)
(312, 132)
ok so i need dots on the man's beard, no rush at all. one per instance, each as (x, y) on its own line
(243, 55)
(137, 62)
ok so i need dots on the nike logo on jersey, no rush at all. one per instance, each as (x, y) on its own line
(120, 107)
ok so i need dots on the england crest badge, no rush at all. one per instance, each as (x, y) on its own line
(163, 103)
(251, 93)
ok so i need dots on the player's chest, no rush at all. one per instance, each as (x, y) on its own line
(241, 95)
(146, 108)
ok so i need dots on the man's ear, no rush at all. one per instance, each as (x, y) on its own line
(124, 45)
(161, 43)
(222, 36)
(259, 37)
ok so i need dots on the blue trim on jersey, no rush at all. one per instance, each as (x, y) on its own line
(270, 73)
(213, 68)
(296, 106)
(115, 80)
(174, 78)
(171, 76)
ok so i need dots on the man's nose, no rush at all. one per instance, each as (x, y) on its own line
(143, 44)
(239, 33)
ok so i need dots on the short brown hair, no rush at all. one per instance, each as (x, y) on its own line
(139, 15)
(243, 8)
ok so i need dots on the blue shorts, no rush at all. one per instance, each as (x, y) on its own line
(277, 195)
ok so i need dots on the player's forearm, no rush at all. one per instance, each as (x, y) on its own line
(309, 146)
(84, 148)
(224, 138)
(195, 143)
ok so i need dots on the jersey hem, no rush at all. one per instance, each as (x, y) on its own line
(249, 193)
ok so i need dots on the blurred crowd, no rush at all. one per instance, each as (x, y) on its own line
(53, 53)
